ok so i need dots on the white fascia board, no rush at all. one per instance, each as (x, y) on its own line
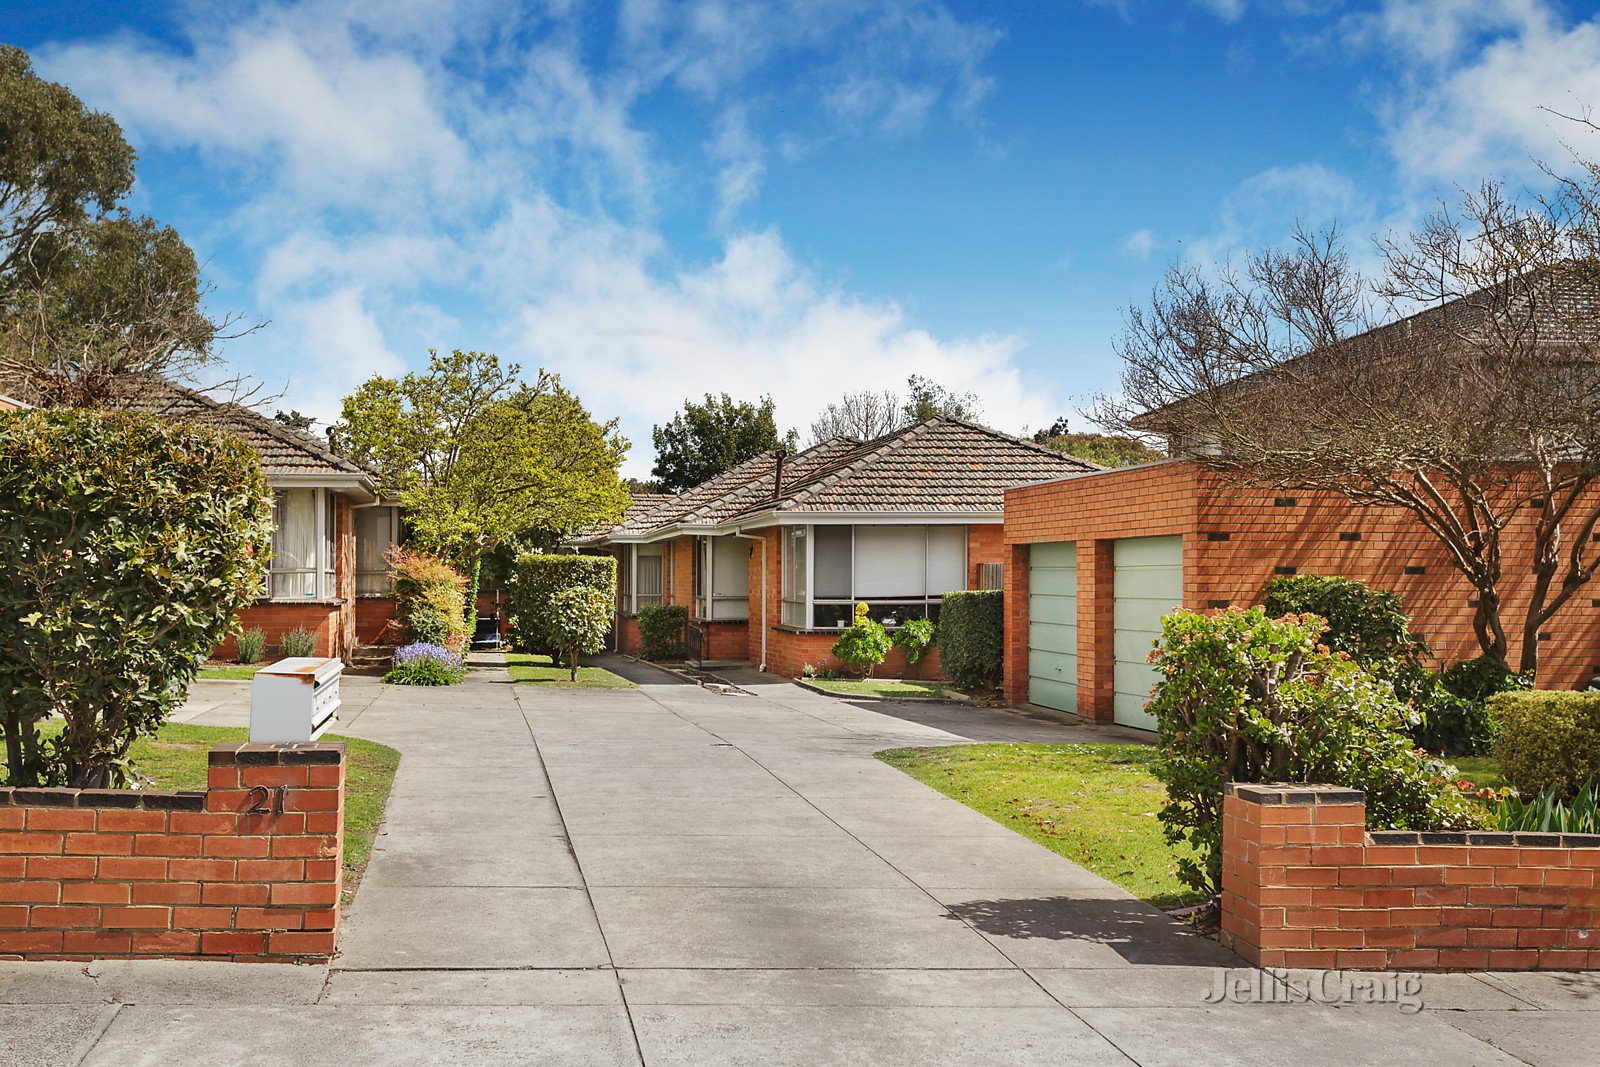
(14, 402)
(873, 518)
(358, 486)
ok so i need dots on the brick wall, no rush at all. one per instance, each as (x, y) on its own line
(101, 874)
(1236, 538)
(277, 618)
(1305, 885)
(373, 614)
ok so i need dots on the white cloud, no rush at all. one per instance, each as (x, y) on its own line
(1262, 212)
(319, 350)
(1139, 244)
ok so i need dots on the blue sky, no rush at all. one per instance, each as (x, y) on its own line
(795, 197)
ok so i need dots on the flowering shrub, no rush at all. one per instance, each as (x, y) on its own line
(429, 594)
(1245, 698)
(425, 664)
(863, 644)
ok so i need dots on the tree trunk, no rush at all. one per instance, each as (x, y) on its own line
(472, 598)
(572, 659)
(14, 751)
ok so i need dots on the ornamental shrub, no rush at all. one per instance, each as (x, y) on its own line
(915, 639)
(127, 547)
(1547, 740)
(661, 628)
(425, 664)
(297, 643)
(972, 638)
(577, 620)
(251, 645)
(863, 644)
(1246, 698)
(536, 578)
(428, 599)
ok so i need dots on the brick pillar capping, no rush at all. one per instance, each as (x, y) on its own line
(249, 869)
(1304, 884)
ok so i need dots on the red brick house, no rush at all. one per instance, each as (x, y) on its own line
(327, 572)
(771, 557)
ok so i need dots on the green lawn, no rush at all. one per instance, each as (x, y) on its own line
(229, 673)
(1094, 804)
(1479, 770)
(879, 687)
(176, 759)
(538, 670)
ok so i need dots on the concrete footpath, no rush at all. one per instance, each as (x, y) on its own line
(668, 875)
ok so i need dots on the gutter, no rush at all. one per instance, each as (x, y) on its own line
(763, 540)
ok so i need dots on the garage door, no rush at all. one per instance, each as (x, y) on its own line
(1148, 576)
(1053, 626)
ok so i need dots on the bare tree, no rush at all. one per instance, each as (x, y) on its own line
(864, 416)
(1470, 413)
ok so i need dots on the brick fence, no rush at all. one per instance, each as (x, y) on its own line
(1304, 884)
(250, 869)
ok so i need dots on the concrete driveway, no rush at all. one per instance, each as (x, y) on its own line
(668, 875)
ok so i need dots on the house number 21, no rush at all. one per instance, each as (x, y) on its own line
(266, 800)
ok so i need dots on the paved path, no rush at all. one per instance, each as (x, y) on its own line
(671, 876)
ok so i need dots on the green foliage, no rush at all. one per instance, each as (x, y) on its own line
(535, 580)
(1549, 814)
(661, 629)
(90, 296)
(251, 644)
(297, 643)
(926, 398)
(863, 644)
(915, 638)
(127, 547)
(972, 637)
(1106, 450)
(1245, 698)
(578, 618)
(428, 595)
(479, 457)
(1481, 678)
(706, 439)
(1547, 740)
(424, 672)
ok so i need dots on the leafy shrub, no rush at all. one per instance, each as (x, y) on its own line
(428, 598)
(914, 639)
(972, 637)
(661, 629)
(1367, 625)
(577, 622)
(251, 645)
(1548, 814)
(298, 642)
(1245, 698)
(535, 580)
(1547, 740)
(1481, 678)
(863, 644)
(425, 664)
(127, 547)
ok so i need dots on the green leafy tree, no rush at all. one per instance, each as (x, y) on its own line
(578, 619)
(127, 547)
(926, 398)
(90, 296)
(293, 419)
(1104, 449)
(864, 643)
(706, 439)
(478, 456)
(915, 639)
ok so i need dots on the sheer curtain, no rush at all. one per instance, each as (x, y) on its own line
(294, 544)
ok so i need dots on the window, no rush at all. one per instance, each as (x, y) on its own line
(302, 545)
(721, 578)
(899, 571)
(377, 530)
(795, 566)
(648, 576)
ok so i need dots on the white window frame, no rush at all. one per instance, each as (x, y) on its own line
(395, 539)
(325, 553)
(925, 602)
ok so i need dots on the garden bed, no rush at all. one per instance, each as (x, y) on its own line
(539, 670)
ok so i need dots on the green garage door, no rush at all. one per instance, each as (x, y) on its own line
(1053, 626)
(1148, 577)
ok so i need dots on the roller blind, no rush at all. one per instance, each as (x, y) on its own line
(891, 562)
(730, 571)
(947, 559)
(831, 560)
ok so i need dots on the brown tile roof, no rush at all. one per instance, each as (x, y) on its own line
(941, 465)
(283, 449)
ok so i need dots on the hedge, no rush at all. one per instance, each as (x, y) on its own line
(661, 628)
(1546, 740)
(971, 638)
(536, 577)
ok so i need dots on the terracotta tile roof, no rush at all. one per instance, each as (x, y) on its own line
(941, 465)
(283, 449)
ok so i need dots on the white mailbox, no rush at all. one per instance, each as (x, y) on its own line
(294, 699)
